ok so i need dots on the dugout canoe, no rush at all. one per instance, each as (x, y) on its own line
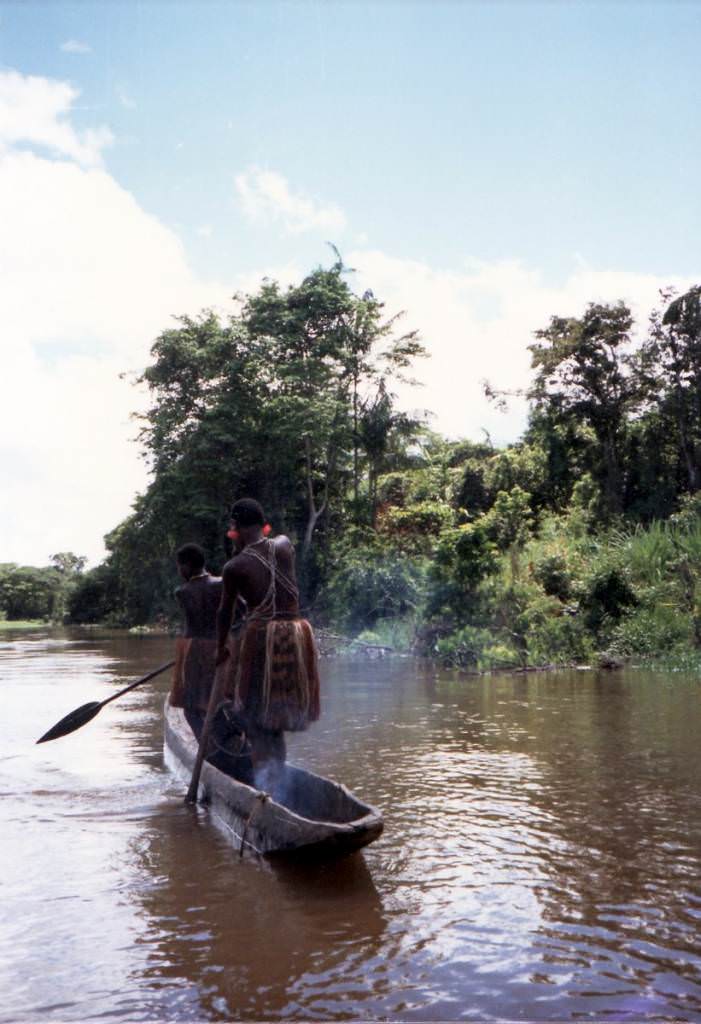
(303, 814)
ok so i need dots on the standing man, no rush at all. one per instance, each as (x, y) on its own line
(195, 649)
(272, 663)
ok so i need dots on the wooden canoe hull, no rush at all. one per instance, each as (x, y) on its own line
(304, 813)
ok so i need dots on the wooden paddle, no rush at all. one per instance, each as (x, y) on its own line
(84, 714)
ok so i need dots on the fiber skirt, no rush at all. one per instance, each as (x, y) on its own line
(273, 674)
(193, 673)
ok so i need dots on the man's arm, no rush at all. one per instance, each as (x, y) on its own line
(179, 597)
(226, 611)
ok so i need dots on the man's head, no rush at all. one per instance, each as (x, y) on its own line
(190, 559)
(247, 521)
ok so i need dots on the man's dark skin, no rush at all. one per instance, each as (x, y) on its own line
(246, 578)
(198, 597)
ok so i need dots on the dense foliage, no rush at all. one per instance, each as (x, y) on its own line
(581, 538)
(28, 592)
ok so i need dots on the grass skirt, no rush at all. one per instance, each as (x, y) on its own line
(193, 673)
(274, 675)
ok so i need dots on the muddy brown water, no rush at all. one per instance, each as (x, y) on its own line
(541, 858)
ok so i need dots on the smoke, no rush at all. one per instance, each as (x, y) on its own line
(273, 778)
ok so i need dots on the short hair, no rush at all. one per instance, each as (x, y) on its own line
(192, 555)
(248, 512)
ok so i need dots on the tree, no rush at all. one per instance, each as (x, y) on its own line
(327, 346)
(67, 563)
(583, 372)
(670, 364)
(381, 431)
(28, 592)
(267, 403)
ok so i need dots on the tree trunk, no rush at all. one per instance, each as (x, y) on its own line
(355, 451)
(612, 485)
(313, 512)
(687, 448)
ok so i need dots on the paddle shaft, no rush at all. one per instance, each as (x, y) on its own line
(139, 682)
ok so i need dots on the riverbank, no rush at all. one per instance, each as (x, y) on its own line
(10, 625)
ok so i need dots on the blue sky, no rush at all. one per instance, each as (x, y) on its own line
(492, 130)
(482, 165)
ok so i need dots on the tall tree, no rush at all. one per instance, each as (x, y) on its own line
(583, 372)
(268, 403)
(327, 346)
(670, 361)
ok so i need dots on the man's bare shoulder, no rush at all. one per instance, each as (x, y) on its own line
(232, 569)
(233, 572)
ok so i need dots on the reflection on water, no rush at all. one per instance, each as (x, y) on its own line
(540, 859)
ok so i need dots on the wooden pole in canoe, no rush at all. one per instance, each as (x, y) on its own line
(214, 699)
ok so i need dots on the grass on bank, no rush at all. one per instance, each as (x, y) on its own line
(569, 597)
(10, 625)
(561, 596)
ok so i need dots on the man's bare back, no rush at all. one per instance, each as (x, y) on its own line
(246, 576)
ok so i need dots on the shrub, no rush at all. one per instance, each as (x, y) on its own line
(95, 597)
(463, 558)
(419, 524)
(551, 572)
(652, 631)
(559, 639)
(606, 595)
(509, 520)
(372, 583)
(476, 648)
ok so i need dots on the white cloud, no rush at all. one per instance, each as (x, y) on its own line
(125, 98)
(89, 280)
(34, 111)
(266, 196)
(75, 46)
(205, 231)
(477, 323)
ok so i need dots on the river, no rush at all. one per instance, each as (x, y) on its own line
(541, 855)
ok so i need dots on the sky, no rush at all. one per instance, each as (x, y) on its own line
(481, 166)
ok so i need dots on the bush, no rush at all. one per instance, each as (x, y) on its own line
(372, 583)
(652, 631)
(27, 592)
(559, 639)
(95, 597)
(509, 520)
(472, 647)
(416, 527)
(551, 573)
(464, 557)
(606, 595)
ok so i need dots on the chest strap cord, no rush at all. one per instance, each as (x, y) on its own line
(266, 611)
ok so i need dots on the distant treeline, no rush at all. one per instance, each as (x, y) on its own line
(484, 556)
(28, 592)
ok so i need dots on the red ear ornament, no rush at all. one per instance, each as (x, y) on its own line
(267, 530)
(232, 534)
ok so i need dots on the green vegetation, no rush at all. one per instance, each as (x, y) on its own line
(7, 625)
(30, 595)
(582, 539)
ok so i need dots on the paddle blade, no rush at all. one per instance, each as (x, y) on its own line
(81, 716)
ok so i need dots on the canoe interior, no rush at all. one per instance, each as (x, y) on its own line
(311, 796)
(302, 812)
